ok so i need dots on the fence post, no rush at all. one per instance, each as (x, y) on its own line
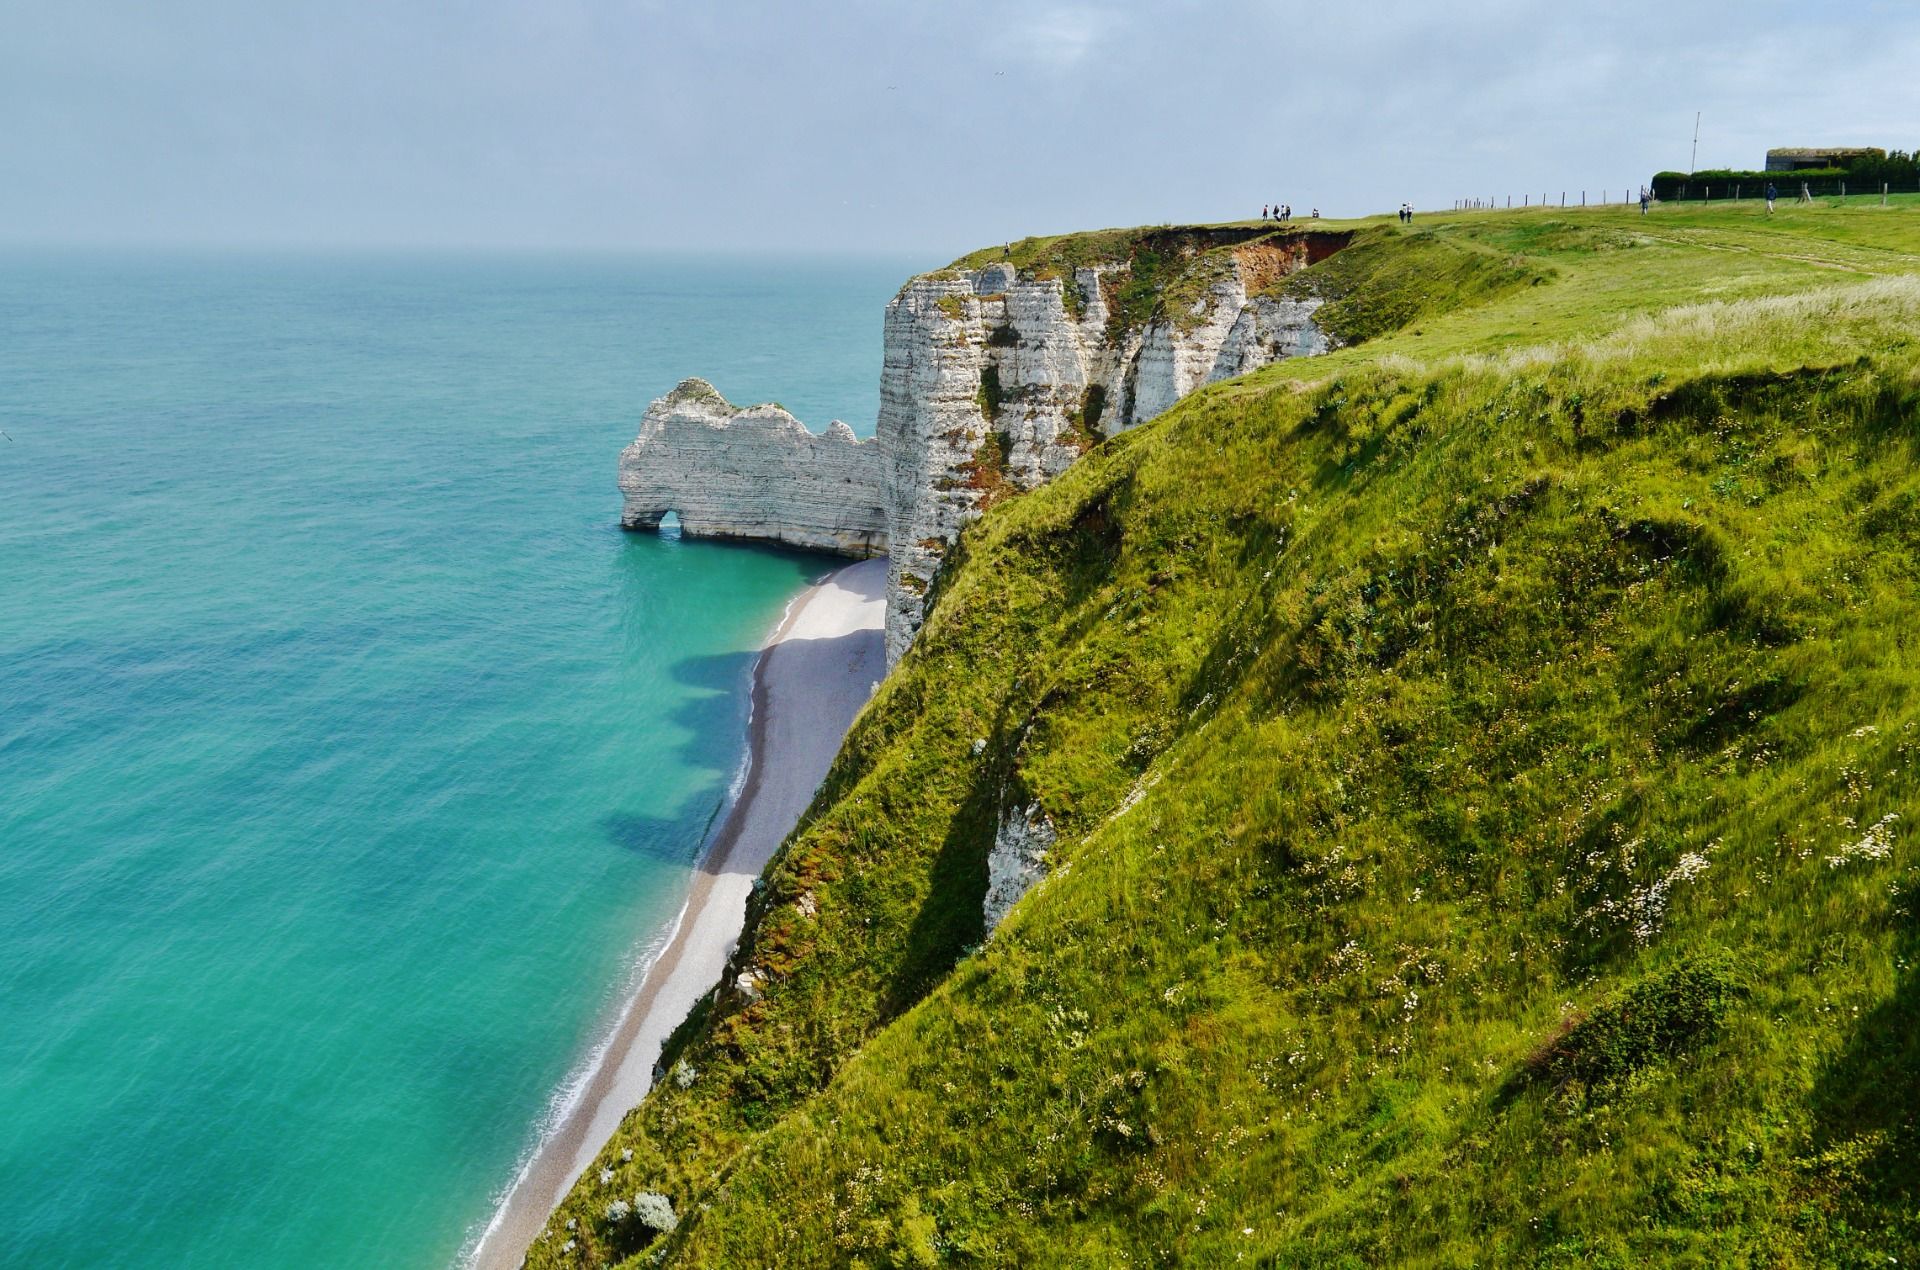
(1563, 198)
(1883, 193)
(1736, 193)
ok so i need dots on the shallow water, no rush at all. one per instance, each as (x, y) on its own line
(349, 753)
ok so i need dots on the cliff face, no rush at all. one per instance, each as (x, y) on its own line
(754, 473)
(995, 379)
(994, 382)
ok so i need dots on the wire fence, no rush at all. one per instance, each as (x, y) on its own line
(1789, 188)
(1618, 196)
(1786, 186)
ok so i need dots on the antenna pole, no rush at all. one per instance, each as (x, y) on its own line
(1693, 163)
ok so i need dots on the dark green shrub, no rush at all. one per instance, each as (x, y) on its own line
(1664, 1015)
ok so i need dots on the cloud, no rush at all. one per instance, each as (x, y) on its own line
(1062, 37)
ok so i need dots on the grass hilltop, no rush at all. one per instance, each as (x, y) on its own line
(1484, 760)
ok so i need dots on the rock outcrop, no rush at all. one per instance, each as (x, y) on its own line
(754, 473)
(993, 383)
(994, 380)
(1016, 861)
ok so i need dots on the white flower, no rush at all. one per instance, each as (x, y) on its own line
(1875, 844)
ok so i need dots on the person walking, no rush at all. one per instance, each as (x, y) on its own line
(1263, 211)
(1643, 200)
(1772, 193)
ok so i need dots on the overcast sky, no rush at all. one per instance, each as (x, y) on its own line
(900, 124)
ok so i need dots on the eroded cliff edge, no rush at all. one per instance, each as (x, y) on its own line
(997, 374)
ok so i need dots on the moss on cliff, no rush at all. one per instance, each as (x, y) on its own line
(1153, 272)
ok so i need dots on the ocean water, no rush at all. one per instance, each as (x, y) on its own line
(350, 755)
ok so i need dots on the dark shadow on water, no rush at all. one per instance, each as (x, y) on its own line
(713, 727)
(657, 837)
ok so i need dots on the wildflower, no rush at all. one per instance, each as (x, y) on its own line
(1875, 844)
(606, 1175)
(619, 1211)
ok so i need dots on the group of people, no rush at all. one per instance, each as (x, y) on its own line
(1406, 213)
(1282, 211)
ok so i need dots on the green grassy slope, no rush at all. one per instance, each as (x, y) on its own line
(1483, 761)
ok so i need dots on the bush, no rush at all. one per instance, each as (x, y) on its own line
(1659, 1017)
(656, 1210)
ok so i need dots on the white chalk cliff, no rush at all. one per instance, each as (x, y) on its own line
(754, 473)
(991, 383)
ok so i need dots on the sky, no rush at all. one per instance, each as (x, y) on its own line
(897, 125)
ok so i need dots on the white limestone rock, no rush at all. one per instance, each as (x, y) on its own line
(754, 473)
(1267, 331)
(1017, 860)
(1056, 364)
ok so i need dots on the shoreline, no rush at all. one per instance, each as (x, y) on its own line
(814, 673)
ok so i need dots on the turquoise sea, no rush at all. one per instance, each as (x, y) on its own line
(350, 755)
